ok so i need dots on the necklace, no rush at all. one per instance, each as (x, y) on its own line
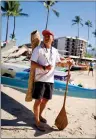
(49, 61)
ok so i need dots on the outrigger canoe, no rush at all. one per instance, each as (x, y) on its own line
(58, 75)
(59, 87)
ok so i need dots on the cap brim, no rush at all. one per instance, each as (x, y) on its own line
(46, 32)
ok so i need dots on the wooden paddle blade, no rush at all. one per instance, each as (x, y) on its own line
(61, 121)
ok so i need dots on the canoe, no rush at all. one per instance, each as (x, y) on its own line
(79, 67)
(58, 75)
(59, 87)
(16, 70)
(10, 69)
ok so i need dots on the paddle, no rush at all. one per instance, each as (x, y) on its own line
(62, 121)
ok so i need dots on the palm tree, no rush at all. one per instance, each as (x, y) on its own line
(88, 23)
(94, 33)
(48, 5)
(90, 46)
(17, 12)
(7, 10)
(77, 21)
(93, 49)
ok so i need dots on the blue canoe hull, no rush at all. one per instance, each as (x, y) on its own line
(59, 87)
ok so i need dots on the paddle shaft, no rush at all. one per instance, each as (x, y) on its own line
(66, 90)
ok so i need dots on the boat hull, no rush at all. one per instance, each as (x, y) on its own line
(59, 87)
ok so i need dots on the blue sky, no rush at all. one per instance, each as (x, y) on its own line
(61, 26)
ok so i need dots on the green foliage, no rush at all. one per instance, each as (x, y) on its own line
(11, 8)
(48, 5)
(77, 20)
(93, 49)
(88, 23)
(17, 11)
(88, 55)
(12, 36)
(89, 45)
(94, 33)
(7, 7)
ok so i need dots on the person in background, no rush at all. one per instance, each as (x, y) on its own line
(90, 68)
(44, 59)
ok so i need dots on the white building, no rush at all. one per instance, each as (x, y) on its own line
(75, 46)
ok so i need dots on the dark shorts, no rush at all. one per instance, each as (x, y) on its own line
(42, 90)
(90, 69)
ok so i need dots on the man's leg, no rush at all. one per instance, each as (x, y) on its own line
(92, 72)
(37, 110)
(88, 72)
(42, 106)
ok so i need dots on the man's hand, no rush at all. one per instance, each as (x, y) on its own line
(66, 62)
(49, 67)
(70, 62)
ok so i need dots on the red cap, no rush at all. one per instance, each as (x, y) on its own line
(47, 32)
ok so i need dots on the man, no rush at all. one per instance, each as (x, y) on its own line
(44, 58)
(90, 68)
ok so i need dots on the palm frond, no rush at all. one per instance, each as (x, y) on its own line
(89, 45)
(94, 33)
(23, 14)
(48, 2)
(81, 23)
(55, 12)
(73, 23)
(46, 5)
(3, 9)
(73, 20)
(93, 49)
(5, 3)
(52, 3)
(20, 10)
(88, 23)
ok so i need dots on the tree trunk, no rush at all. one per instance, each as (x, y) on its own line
(87, 40)
(47, 19)
(86, 47)
(14, 26)
(7, 28)
(78, 30)
(88, 33)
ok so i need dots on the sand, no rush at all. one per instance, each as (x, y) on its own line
(17, 118)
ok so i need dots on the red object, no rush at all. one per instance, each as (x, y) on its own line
(47, 32)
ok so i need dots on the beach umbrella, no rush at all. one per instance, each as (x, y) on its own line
(62, 121)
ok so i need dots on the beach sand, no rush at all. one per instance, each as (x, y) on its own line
(88, 81)
(17, 118)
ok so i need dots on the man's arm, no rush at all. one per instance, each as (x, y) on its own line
(61, 64)
(65, 62)
(36, 65)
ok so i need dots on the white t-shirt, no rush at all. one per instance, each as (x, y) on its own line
(45, 56)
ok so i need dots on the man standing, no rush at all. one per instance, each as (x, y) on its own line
(90, 68)
(44, 59)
